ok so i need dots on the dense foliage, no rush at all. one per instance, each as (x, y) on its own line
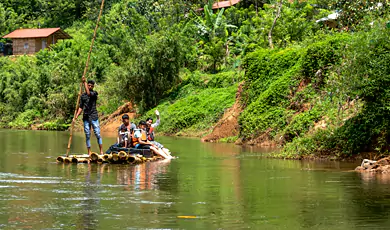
(197, 103)
(315, 92)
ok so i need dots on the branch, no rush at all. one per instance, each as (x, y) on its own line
(271, 44)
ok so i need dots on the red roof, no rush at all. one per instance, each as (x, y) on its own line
(225, 4)
(37, 33)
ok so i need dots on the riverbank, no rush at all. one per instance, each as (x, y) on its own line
(317, 99)
(304, 98)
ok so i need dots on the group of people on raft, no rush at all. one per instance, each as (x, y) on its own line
(141, 137)
(129, 135)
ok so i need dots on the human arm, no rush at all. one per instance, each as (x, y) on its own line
(81, 107)
(118, 138)
(138, 135)
(144, 142)
(78, 113)
(86, 86)
(157, 123)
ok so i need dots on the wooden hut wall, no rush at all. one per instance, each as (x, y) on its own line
(23, 46)
(33, 44)
(38, 44)
(52, 39)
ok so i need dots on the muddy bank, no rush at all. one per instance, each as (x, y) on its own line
(111, 122)
(380, 166)
(228, 125)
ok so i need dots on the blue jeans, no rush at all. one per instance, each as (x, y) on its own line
(96, 131)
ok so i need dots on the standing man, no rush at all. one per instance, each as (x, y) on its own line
(90, 115)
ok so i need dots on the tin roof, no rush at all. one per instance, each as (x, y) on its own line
(37, 33)
(223, 4)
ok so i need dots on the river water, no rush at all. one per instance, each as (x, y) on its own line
(210, 186)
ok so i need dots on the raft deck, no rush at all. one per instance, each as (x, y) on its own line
(114, 155)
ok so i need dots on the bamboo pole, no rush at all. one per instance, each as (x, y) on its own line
(107, 157)
(61, 159)
(133, 159)
(67, 160)
(75, 160)
(94, 157)
(122, 155)
(82, 160)
(85, 72)
(100, 160)
(115, 157)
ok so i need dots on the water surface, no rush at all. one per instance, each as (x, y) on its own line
(210, 186)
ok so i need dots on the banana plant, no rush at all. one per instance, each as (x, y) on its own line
(213, 25)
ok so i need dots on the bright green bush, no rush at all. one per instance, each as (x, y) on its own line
(197, 103)
(363, 73)
(273, 95)
(199, 110)
(25, 120)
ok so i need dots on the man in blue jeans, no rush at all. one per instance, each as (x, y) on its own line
(90, 115)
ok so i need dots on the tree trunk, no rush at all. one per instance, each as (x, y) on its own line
(271, 44)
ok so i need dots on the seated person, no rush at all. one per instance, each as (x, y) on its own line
(150, 135)
(126, 121)
(123, 137)
(140, 141)
(150, 131)
(128, 127)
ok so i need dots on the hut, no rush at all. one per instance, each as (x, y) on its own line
(225, 4)
(30, 41)
(222, 4)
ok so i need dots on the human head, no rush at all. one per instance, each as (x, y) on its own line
(123, 128)
(125, 119)
(149, 121)
(91, 84)
(142, 124)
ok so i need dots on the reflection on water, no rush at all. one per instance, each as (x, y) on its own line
(216, 186)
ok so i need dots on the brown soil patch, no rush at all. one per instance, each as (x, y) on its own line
(113, 121)
(228, 125)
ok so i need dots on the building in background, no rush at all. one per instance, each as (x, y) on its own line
(30, 41)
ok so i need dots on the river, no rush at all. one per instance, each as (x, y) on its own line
(210, 186)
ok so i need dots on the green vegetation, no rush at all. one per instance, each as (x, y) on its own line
(197, 103)
(319, 91)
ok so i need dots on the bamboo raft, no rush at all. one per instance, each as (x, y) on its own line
(113, 155)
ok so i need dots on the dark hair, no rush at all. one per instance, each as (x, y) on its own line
(149, 119)
(125, 116)
(91, 82)
(142, 123)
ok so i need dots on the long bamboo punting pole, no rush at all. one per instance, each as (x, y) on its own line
(85, 72)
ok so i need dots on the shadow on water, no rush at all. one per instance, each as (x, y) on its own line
(210, 186)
